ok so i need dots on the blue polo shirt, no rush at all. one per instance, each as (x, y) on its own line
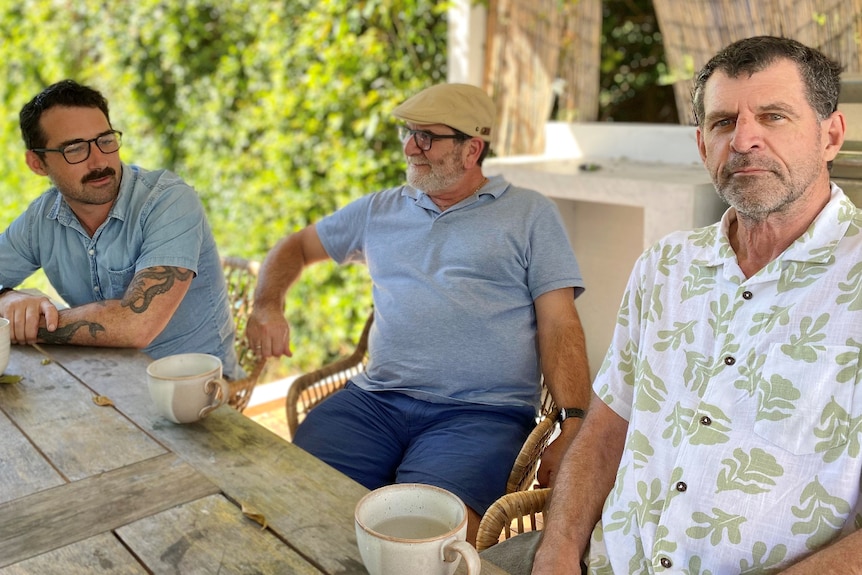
(453, 291)
(157, 220)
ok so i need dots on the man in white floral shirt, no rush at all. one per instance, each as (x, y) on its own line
(724, 435)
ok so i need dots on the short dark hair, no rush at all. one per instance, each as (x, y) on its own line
(66, 93)
(821, 75)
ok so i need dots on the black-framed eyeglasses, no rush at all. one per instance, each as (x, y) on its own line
(424, 139)
(79, 151)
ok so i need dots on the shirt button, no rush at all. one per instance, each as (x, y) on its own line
(91, 252)
(747, 295)
(706, 420)
(681, 486)
(666, 563)
(95, 288)
(729, 360)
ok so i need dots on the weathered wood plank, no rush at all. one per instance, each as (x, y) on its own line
(57, 414)
(101, 554)
(23, 470)
(75, 511)
(210, 535)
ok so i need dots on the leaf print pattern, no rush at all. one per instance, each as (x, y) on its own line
(838, 429)
(763, 561)
(850, 373)
(673, 338)
(823, 515)
(800, 274)
(651, 390)
(717, 526)
(668, 258)
(722, 312)
(750, 372)
(714, 433)
(646, 509)
(678, 422)
(801, 347)
(776, 398)
(703, 237)
(853, 289)
(765, 322)
(694, 567)
(699, 280)
(749, 472)
(640, 446)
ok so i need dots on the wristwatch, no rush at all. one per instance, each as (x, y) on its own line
(568, 412)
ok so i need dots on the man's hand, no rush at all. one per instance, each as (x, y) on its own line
(268, 333)
(553, 454)
(26, 314)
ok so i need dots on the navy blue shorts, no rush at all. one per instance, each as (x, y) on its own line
(384, 437)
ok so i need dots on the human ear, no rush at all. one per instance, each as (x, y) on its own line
(35, 163)
(834, 129)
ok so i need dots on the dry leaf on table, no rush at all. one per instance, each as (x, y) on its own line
(254, 516)
(102, 400)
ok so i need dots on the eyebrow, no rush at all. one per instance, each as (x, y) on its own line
(781, 107)
(79, 140)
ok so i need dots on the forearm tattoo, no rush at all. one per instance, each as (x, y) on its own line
(64, 334)
(139, 295)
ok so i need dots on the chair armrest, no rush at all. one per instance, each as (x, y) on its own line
(525, 508)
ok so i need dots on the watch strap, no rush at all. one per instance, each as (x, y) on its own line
(568, 412)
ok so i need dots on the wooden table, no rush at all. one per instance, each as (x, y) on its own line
(113, 489)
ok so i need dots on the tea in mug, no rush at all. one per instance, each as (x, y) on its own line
(412, 527)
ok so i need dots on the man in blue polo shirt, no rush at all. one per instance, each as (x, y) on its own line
(129, 250)
(474, 283)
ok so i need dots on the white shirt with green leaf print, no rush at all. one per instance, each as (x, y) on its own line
(743, 448)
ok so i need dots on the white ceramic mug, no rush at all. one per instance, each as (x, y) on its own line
(188, 386)
(412, 528)
(5, 343)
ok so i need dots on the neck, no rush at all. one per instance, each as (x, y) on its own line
(757, 242)
(465, 189)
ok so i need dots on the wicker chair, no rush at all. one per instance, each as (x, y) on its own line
(512, 514)
(241, 277)
(310, 389)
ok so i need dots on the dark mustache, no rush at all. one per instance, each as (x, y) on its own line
(98, 174)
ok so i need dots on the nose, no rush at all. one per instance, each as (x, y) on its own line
(747, 135)
(410, 147)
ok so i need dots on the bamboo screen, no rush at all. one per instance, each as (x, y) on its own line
(694, 30)
(539, 52)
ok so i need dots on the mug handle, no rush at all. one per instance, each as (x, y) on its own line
(218, 388)
(467, 551)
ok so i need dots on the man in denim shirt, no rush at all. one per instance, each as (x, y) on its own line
(129, 250)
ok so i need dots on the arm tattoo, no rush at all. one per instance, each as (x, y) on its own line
(138, 296)
(64, 334)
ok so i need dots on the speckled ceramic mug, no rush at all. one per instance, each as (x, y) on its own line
(187, 387)
(413, 528)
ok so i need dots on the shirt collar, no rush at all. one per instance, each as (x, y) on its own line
(495, 187)
(816, 245)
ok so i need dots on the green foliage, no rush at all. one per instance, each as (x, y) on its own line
(633, 67)
(277, 112)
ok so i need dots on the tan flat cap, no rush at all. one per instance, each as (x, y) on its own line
(461, 106)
